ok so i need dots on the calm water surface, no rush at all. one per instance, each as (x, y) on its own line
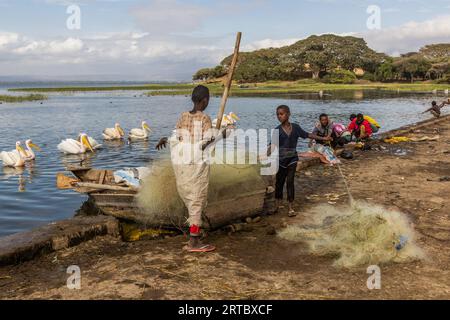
(29, 198)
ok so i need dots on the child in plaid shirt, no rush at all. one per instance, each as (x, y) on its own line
(193, 129)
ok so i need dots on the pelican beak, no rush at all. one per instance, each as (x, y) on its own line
(20, 149)
(86, 142)
(32, 145)
(146, 127)
(122, 133)
(235, 117)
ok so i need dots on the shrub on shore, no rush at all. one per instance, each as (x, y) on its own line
(340, 77)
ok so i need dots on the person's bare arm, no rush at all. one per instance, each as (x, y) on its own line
(316, 137)
(270, 150)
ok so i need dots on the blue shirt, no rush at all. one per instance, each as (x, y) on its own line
(288, 144)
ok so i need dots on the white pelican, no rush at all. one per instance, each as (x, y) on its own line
(115, 133)
(71, 146)
(94, 144)
(29, 153)
(13, 158)
(233, 117)
(227, 120)
(140, 134)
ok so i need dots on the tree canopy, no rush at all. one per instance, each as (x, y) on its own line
(318, 56)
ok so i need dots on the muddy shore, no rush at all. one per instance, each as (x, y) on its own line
(411, 177)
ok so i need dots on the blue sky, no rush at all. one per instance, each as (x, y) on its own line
(170, 39)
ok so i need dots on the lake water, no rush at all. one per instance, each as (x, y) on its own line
(29, 197)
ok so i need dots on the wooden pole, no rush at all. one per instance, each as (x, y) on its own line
(229, 80)
(104, 186)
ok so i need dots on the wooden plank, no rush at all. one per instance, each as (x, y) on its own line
(118, 204)
(103, 186)
(101, 179)
(222, 213)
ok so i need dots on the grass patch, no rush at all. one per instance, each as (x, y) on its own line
(30, 97)
(277, 88)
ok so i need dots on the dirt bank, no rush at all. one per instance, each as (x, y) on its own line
(256, 264)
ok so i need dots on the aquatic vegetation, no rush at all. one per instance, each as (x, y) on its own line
(30, 97)
(106, 88)
(359, 235)
(254, 89)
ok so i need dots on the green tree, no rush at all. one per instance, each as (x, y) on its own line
(385, 71)
(321, 53)
(413, 66)
(202, 74)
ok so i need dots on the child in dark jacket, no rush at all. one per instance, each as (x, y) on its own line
(288, 135)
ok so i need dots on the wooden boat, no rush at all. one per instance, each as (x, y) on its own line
(119, 200)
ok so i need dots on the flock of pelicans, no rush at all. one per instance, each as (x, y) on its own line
(84, 143)
(19, 156)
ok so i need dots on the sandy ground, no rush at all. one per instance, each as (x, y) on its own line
(256, 264)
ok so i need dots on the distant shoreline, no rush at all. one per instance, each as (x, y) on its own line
(253, 89)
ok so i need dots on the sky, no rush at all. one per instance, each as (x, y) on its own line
(168, 40)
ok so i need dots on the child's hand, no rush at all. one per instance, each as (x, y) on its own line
(162, 144)
(226, 132)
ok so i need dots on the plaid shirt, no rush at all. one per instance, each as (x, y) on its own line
(198, 126)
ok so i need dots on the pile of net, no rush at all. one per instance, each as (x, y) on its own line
(360, 235)
(160, 203)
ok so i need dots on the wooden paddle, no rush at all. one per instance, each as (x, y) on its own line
(229, 81)
(64, 182)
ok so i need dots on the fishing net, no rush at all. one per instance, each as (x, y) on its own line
(160, 203)
(359, 235)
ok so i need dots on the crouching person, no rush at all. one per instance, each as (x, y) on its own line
(360, 128)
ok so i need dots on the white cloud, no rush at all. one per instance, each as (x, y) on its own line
(269, 43)
(67, 46)
(7, 38)
(119, 53)
(409, 36)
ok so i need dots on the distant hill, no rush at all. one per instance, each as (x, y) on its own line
(332, 58)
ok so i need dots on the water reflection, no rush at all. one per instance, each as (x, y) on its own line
(78, 160)
(114, 144)
(24, 175)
